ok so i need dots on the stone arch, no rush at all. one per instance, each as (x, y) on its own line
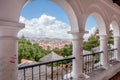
(100, 18)
(71, 14)
(114, 22)
(116, 35)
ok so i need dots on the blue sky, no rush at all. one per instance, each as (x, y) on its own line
(91, 22)
(38, 7)
(48, 12)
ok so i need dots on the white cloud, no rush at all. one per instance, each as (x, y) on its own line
(90, 32)
(48, 26)
(44, 26)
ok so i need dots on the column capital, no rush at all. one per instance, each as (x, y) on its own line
(103, 37)
(77, 35)
(116, 36)
(10, 24)
(8, 28)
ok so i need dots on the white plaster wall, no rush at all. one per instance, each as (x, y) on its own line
(10, 9)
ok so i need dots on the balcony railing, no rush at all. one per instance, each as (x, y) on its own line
(91, 62)
(53, 70)
(57, 70)
(111, 55)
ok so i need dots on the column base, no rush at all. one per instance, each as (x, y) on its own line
(70, 76)
(118, 60)
(105, 66)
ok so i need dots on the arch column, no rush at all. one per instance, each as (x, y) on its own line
(117, 46)
(9, 50)
(77, 43)
(103, 47)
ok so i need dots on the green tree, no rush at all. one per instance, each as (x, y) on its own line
(31, 51)
(91, 43)
(111, 39)
(66, 51)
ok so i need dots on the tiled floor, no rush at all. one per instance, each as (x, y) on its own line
(116, 77)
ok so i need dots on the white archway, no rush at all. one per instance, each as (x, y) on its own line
(99, 14)
(116, 36)
(71, 14)
(116, 31)
(102, 22)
